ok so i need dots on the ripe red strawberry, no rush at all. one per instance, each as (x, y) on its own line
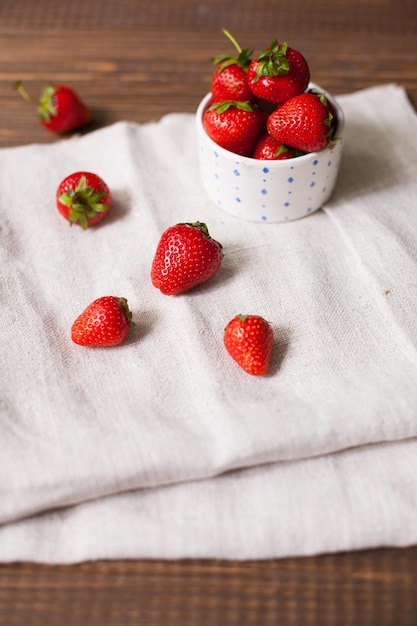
(105, 322)
(329, 105)
(303, 122)
(185, 257)
(268, 148)
(278, 73)
(230, 77)
(234, 126)
(83, 198)
(59, 108)
(249, 339)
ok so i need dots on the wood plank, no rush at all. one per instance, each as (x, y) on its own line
(370, 588)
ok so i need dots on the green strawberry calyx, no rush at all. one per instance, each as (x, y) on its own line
(20, 88)
(221, 107)
(46, 106)
(243, 318)
(329, 122)
(282, 148)
(84, 203)
(243, 60)
(272, 61)
(125, 308)
(203, 228)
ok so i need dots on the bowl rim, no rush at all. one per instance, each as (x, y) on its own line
(272, 163)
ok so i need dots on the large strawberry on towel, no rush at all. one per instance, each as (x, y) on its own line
(186, 256)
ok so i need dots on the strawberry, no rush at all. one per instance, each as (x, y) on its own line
(329, 105)
(105, 322)
(249, 340)
(83, 198)
(302, 122)
(230, 77)
(185, 257)
(268, 148)
(234, 126)
(278, 73)
(60, 110)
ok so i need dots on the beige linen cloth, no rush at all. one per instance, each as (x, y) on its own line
(163, 447)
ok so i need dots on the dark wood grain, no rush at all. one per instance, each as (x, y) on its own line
(138, 61)
(370, 588)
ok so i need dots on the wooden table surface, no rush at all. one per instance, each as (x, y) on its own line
(137, 60)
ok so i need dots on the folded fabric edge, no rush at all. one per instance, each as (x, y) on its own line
(352, 500)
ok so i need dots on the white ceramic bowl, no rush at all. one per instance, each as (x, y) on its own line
(264, 190)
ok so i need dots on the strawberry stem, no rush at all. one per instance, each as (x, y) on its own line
(233, 40)
(243, 60)
(125, 307)
(19, 87)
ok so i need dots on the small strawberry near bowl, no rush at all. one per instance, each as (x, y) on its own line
(83, 198)
(270, 189)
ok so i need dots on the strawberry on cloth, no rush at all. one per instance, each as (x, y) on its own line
(186, 256)
(105, 322)
(249, 340)
(83, 198)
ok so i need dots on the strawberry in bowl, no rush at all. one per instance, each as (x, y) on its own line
(230, 77)
(274, 157)
(278, 73)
